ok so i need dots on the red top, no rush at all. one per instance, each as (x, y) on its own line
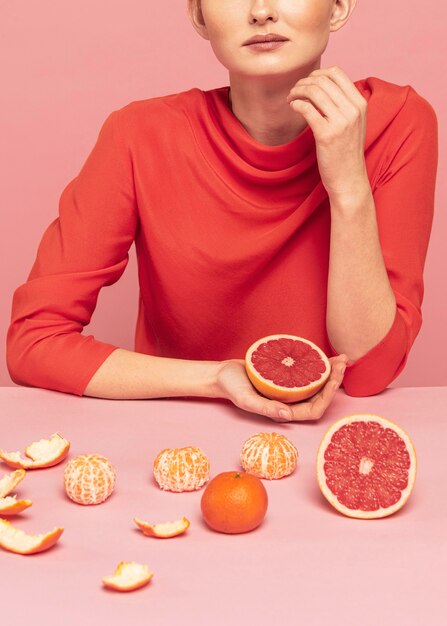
(231, 235)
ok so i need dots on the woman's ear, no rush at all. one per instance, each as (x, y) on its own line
(341, 12)
(196, 17)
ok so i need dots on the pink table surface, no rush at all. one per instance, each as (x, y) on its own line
(305, 564)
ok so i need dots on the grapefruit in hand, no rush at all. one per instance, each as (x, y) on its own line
(234, 502)
(286, 367)
(366, 466)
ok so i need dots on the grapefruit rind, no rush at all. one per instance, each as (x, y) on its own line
(332, 498)
(163, 529)
(42, 453)
(16, 540)
(11, 480)
(277, 392)
(128, 576)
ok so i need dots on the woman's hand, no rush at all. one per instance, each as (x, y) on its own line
(234, 384)
(336, 112)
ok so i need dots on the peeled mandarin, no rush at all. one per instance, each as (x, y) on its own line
(269, 455)
(181, 469)
(89, 479)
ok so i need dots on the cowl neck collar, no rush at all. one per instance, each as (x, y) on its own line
(285, 175)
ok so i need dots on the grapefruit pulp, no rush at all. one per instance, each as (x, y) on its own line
(366, 466)
(286, 367)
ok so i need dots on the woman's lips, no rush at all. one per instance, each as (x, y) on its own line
(266, 45)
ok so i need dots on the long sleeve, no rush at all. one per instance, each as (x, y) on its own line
(404, 200)
(81, 251)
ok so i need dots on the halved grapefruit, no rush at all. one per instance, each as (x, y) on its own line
(286, 367)
(163, 529)
(128, 576)
(42, 453)
(16, 540)
(366, 466)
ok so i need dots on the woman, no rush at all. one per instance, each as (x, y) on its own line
(291, 201)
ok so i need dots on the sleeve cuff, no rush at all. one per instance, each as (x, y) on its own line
(65, 362)
(375, 370)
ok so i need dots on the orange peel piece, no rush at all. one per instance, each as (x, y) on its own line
(42, 453)
(11, 506)
(16, 540)
(9, 481)
(164, 529)
(128, 576)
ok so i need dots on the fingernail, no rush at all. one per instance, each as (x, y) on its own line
(285, 414)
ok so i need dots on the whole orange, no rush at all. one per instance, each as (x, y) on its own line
(234, 502)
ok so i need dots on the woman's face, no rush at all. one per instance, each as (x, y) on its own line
(306, 24)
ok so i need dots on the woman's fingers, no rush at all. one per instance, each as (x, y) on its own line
(315, 407)
(255, 403)
(236, 385)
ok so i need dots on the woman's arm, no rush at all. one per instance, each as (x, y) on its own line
(131, 375)
(84, 249)
(379, 243)
(361, 306)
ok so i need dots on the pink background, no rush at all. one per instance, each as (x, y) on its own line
(66, 66)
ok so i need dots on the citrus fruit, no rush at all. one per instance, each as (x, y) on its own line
(128, 576)
(42, 453)
(269, 455)
(16, 540)
(287, 368)
(181, 469)
(163, 529)
(234, 502)
(366, 466)
(89, 479)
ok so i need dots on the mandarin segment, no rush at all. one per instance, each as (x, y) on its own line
(89, 479)
(181, 469)
(366, 466)
(269, 455)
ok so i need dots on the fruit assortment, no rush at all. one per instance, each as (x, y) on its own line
(365, 467)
